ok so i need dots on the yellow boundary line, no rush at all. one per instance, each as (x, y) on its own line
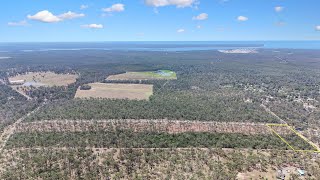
(281, 137)
(298, 134)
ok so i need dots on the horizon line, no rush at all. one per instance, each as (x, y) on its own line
(159, 41)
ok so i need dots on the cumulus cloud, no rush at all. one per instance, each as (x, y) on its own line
(44, 16)
(318, 28)
(199, 27)
(114, 8)
(47, 17)
(20, 23)
(70, 15)
(201, 17)
(242, 18)
(178, 3)
(93, 26)
(278, 8)
(84, 7)
(181, 30)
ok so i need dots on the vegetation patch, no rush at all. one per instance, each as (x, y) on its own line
(119, 138)
(145, 75)
(12, 106)
(218, 106)
(293, 140)
(150, 164)
(116, 91)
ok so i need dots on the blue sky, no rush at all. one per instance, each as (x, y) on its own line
(158, 20)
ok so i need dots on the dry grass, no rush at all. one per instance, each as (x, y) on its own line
(116, 91)
(256, 174)
(46, 78)
(148, 75)
(168, 126)
(130, 163)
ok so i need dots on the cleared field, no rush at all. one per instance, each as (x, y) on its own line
(49, 79)
(116, 91)
(167, 126)
(147, 75)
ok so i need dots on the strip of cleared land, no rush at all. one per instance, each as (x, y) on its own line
(169, 126)
(146, 75)
(116, 91)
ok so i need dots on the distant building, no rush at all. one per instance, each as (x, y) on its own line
(281, 175)
(301, 172)
(17, 82)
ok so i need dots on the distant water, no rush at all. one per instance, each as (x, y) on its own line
(157, 46)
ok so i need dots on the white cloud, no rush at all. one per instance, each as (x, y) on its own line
(20, 23)
(178, 3)
(70, 15)
(242, 18)
(318, 28)
(200, 17)
(44, 16)
(114, 8)
(199, 27)
(84, 7)
(278, 8)
(181, 30)
(93, 26)
(48, 17)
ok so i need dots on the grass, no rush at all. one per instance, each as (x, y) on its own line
(116, 91)
(145, 75)
(46, 78)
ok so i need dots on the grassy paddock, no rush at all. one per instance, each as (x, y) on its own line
(116, 91)
(145, 75)
(48, 79)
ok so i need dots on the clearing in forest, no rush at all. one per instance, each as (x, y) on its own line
(38, 79)
(295, 141)
(145, 75)
(116, 91)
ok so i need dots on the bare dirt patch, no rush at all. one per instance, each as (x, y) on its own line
(116, 91)
(256, 174)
